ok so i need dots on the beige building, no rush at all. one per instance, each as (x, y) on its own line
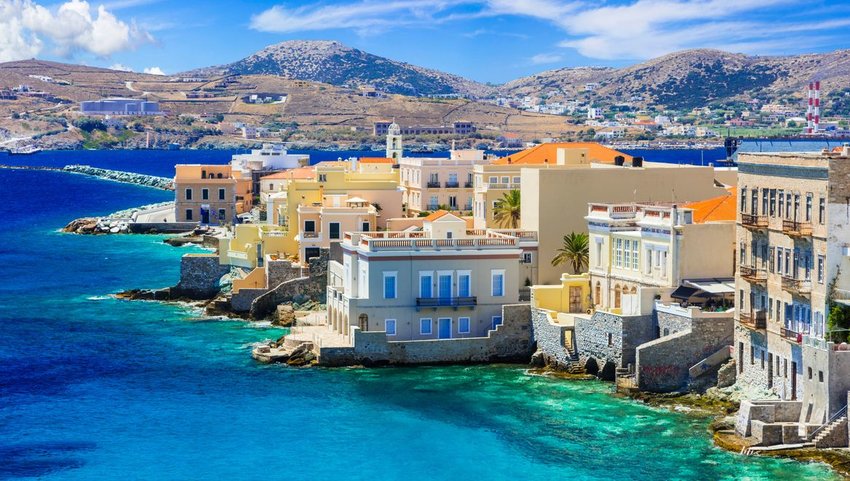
(322, 223)
(210, 194)
(443, 282)
(639, 251)
(792, 241)
(434, 183)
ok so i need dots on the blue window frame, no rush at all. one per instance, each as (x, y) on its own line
(463, 325)
(463, 289)
(497, 321)
(498, 283)
(426, 285)
(425, 326)
(389, 326)
(390, 285)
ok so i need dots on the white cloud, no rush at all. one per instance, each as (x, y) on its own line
(545, 58)
(153, 71)
(625, 29)
(120, 67)
(26, 28)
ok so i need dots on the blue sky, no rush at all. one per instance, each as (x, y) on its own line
(485, 40)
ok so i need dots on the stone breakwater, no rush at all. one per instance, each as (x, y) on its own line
(115, 223)
(163, 183)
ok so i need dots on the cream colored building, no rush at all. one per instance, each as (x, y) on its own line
(434, 183)
(323, 223)
(792, 241)
(443, 282)
(638, 252)
(210, 194)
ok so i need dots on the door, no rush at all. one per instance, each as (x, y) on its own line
(793, 380)
(205, 214)
(444, 330)
(445, 289)
(575, 298)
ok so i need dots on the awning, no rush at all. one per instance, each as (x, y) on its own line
(356, 200)
(683, 292)
(713, 286)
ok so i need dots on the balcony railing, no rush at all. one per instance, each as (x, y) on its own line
(752, 221)
(446, 301)
(795, 228)
(452, 185)
(310, 235)
(433, 185)
(753, 274)
(791, 335)
(754, 319)
(796, 286)
(467, 185)
(432, 207)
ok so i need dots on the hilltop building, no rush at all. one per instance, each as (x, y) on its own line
(462, 127)
(793, 272)
(120, 106)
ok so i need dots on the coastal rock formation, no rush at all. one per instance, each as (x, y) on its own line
(163, 183)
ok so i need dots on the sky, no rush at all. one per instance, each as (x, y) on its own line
(485, 40)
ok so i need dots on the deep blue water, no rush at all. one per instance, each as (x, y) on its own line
(93, 388)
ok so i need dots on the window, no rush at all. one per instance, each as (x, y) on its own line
(809, 207)
(205, 194)
(323, 177)
(188, 214)
(464, 288)
(426, 284)
(627, 254)
(497, 278)
(493, 180)
(754, 209)
(425, 326)
(752, 354)
(820, 269)
(635, 258)
(188, 194)
(743, 202)
(220, 194)
(781, 195)
(779, 252)
(222, 214)
(648, 257)
(463, 325)
(333, 229)
(526, 257)
(271, 187)
(764, 194)
(390, 285)
(389, 326)
(453, 202)
(820, 376)
(773, 202)
(506, 180)
(517, 180)
(610, 339)
(821, 210)
(810, 372)
(496, 321)
(365, 227)
(309, 226)
(618, 253)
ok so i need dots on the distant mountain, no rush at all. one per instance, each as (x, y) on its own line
(694, 78)
(336, 64)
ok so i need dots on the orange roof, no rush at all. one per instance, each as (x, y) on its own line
(376, 160)
(297, 173)
(436, 215)
(549, 152)
(715, 209)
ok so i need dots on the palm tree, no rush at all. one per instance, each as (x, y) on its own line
(506, 210)
(575, 251)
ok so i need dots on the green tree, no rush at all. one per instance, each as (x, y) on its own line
(507, 210)
(574, 251)
(838, 323)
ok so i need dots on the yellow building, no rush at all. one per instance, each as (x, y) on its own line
(249, 243)
(210, 194)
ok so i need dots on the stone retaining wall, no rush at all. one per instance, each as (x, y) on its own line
(607, 338)
(313, 286)
(549, 339)
(510, 342)
(199, 276)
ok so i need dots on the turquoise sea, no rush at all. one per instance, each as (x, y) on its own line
(93, 388)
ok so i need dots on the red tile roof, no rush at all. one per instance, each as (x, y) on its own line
(715, 209)
(549, 152)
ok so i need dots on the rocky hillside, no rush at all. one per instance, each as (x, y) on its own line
(334, 63)
(695, 78)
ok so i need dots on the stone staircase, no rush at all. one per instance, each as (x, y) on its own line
(575, 366)
(833, 434)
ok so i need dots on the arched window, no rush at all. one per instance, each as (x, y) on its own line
(617, 294)
(633, 291)
(364, 322)
(597, 299)
(219, 176)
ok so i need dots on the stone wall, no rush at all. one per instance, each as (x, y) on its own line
(199, 276)
(314, 286)
(662, 365)
(610, 338)
(549, 339)
(510, 342)
(669, 323)
(277, 272)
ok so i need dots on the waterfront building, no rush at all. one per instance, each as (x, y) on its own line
(444, 282)
(792, 271)
(342, 195)
(431, 184)
(461, 127)
(210, 194)
(267, 160)
(120, 106)
(275, 183)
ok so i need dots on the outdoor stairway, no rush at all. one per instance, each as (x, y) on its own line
(575, 366)
(832, 435)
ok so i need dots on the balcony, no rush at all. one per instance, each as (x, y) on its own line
(754, 222)
(796, 286)
(754, 319)
(433, 185)
(467, 185)
(794, 228)
(310, 235)
(790, 335)
(753, 275)
(432, 207)
(452, 185)
(446, 301)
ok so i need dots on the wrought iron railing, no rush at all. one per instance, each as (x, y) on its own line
(446, 301)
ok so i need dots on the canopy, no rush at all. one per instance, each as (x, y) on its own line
(713, 286)
(356, 200)
(683, 292)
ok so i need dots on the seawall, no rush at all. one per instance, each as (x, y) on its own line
(145, 180)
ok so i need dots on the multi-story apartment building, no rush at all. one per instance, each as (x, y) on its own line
(638, 251)
(443, 282)
(262, 162)
(322, 223)
(792, 243)
(437, 183)
(210, 194)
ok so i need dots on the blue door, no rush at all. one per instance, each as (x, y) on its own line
(445, 289)
(445, 328)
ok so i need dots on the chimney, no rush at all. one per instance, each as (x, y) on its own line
(619, 160)
(637, 161)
